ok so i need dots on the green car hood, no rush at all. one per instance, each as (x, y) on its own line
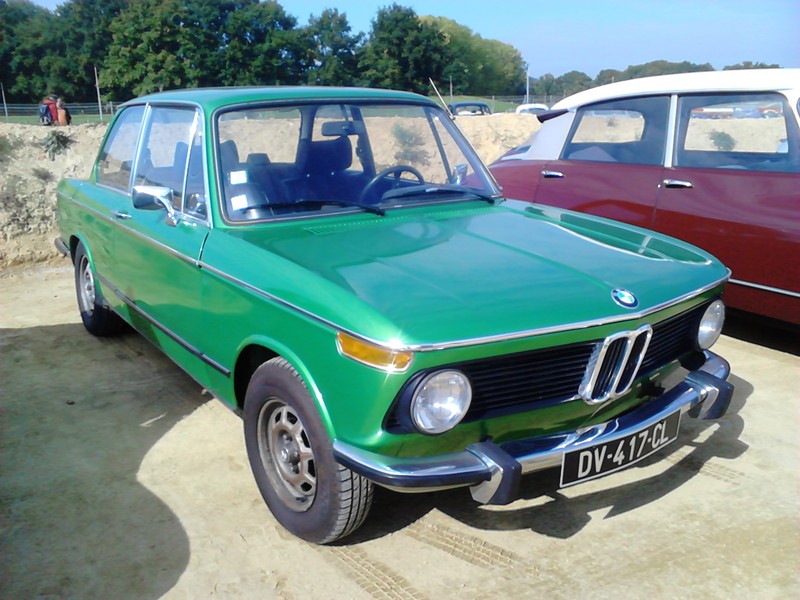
(465, 272)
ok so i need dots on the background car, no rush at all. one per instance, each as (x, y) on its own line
(469, 109)
(712, 158)
(531, 109)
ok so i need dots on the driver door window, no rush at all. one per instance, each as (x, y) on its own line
(164, 155)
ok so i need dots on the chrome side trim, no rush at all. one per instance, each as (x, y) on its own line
(158, 325)
(765, 288)
(433, 346)
(672, 120)
(115, 220)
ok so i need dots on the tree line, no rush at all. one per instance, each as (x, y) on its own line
(577, 81)
(142, 46)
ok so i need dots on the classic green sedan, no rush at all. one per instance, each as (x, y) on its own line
(339, 267)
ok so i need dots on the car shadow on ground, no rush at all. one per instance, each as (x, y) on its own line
(561, 516)
(777, 335)
(79, 414)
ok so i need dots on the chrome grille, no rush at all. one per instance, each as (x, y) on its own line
(513, 383)
(614, 364)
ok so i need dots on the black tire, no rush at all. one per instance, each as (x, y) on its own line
(291, 456)
(98, 319)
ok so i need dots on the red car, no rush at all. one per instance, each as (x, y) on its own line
(712, 158)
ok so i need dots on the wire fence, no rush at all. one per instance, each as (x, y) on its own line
(92, 113)
(81, 113)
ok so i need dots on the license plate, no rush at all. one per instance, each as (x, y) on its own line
(595, 461)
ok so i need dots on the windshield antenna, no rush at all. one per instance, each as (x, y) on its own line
(444, 104)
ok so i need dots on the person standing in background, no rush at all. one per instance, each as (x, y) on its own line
(64, 118)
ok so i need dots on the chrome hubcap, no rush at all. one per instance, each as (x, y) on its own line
(286, 455)
(86, 286)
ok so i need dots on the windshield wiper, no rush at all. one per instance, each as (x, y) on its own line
(319, 203)
(429, 188)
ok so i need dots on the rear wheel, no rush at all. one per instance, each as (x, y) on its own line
(291, 456)
(98, 319)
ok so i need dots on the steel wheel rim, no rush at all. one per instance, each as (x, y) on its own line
(286, 455)
(86, 286)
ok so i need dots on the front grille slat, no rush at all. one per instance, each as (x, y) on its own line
(545, 377)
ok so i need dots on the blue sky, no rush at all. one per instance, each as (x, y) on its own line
(585, 35)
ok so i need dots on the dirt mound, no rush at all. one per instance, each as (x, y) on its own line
(28, 178)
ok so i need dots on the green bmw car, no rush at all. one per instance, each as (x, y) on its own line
(338, 266)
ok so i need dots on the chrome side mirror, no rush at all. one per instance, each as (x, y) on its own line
(154, 197)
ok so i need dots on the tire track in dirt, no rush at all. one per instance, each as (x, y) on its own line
(471, 549)
(374, 577)
(719, 472)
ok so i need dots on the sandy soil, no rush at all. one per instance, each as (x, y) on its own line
(28, 178)
(120, 479)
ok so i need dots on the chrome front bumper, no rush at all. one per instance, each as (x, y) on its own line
(493, 471)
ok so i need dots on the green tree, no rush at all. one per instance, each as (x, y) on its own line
(26, 48)
(547, 87)
(608, 76)
(574, 82)
(147, 52)
(750, 65)
(334, 49)
(476, 65)
(402, 52)
(80, 46)
(663, 67)
(264, 47)
(13, 15)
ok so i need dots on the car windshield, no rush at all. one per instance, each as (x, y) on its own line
(308, 160)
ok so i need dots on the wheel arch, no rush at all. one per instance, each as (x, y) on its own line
(256, 352)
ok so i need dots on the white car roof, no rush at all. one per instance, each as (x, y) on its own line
(743, 80)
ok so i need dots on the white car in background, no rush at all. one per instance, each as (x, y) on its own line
(531, 108)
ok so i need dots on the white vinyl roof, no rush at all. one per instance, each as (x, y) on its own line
(745, 80)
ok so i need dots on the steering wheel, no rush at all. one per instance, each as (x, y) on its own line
(396, 170)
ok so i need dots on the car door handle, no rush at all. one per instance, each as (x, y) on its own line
(552, 175)
(677, 183)
(121, 214)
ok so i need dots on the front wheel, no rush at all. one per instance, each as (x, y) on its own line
(291, 456)
(98, 319)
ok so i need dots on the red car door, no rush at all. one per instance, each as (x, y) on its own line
(595, 188)
(611, 161)
(735, 191)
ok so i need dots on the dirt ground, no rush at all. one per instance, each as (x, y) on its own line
(120, 479)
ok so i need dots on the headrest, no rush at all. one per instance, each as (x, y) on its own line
(229, 154)
(330, 156)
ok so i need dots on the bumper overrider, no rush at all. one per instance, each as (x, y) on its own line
(493, 471)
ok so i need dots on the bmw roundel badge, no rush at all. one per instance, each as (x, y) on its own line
(624, 298)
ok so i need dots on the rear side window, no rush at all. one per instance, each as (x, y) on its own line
(632, 131)
(116, 157)
(754, 132)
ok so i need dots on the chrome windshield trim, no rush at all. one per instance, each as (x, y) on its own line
(766, 288)
(434, 346)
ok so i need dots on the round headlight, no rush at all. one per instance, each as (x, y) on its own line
(441, 401)
(711, 325)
